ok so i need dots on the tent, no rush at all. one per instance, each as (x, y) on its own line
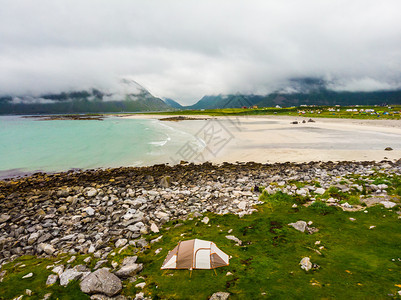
(195, 254)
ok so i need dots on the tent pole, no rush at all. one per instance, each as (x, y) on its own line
(215, 271)
(190, 273)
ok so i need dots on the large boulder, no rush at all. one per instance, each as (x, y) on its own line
(101, 281)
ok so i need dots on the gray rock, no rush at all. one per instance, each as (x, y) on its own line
(99, 264)
(302, 192)
(71, 274)
(72, 259)
(136, 227)
(90, 192)
(165, 181)
(320, 191)
(235, 239)
(129, 260)
(44, 238)
(47, 296)
(2, 275)
(299, 225)
(220, 296)
(305, 264)
(139, 296)
(90, 211)
(62, 208)
(121, 243)
(160, 214)
(29, 275)
(87, 260)
(47, 248)
(129, 270)
(104, 297)
(242, 205)
(58, 269)
(101, 281)
(154, 228)
(51, 279)
(156, 239)
(388, 204)
(140, 285)
(33, 238)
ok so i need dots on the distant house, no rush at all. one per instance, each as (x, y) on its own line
(255, 106)
(244, 107)
(278, 106)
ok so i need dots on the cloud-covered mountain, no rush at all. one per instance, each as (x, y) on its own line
(125, 96)
(299, 91)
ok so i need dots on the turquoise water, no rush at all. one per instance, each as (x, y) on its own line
(28, 145)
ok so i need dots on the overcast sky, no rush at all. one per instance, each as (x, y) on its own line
(185, 49)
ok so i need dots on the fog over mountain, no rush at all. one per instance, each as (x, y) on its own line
(184, 50)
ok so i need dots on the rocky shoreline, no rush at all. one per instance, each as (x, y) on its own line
(76, 117)
(95, 211)
(89, 211)
(182, 118)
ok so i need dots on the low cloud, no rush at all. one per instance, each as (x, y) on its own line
(186, 49)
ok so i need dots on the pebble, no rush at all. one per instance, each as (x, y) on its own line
(235, 239)
(205, 220)
(29, 275)
(140, 285)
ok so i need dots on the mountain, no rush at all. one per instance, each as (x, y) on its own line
(327, 97)
(126, 96)
(226, 101)
(299, 91)
(172, 103)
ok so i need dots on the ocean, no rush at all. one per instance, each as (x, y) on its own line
(29, 144)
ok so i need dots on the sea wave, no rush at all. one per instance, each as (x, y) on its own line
(196, 142)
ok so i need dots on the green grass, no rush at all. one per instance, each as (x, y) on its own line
(355, 263)
(310, 112)
(322, 208)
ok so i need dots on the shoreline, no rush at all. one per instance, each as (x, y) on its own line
(273, 139)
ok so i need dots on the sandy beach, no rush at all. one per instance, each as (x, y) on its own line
(270, 139)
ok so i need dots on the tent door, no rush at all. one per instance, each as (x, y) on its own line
(202, 259)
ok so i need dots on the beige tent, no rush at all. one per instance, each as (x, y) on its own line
(195, 254)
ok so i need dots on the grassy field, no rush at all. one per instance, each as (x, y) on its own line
(380, 112)
(355, 262)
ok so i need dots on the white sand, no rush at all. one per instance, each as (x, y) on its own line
(275, 139)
